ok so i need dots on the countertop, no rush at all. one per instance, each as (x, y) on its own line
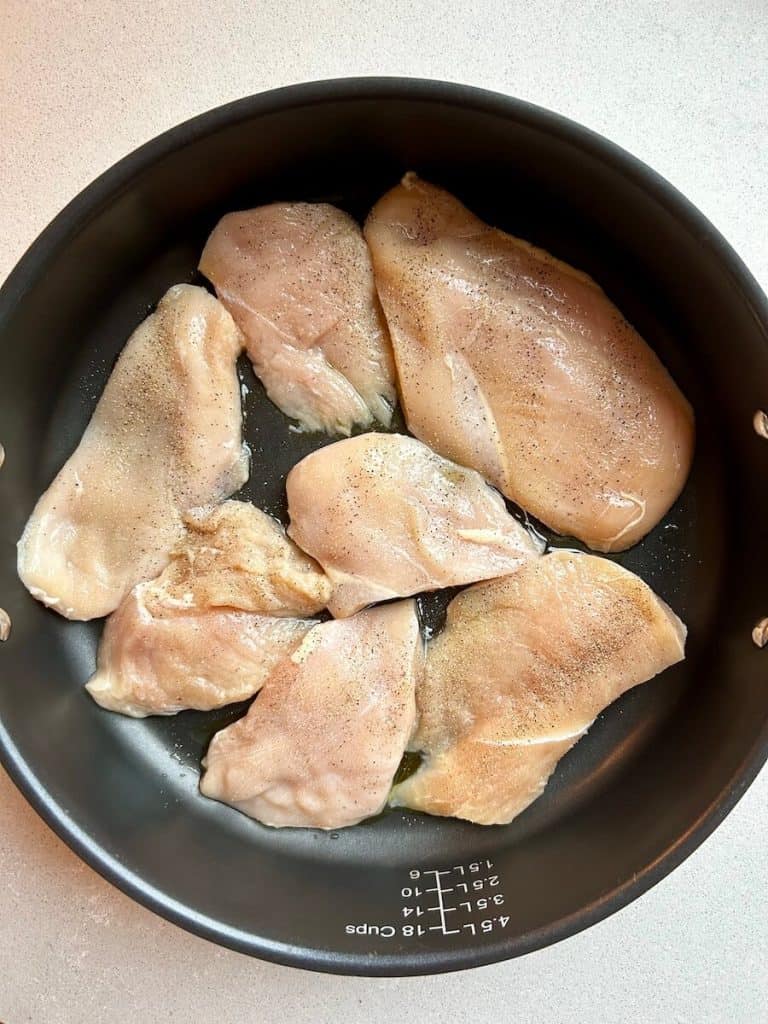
(682, 85)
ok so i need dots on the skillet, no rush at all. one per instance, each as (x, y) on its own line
(402, 893)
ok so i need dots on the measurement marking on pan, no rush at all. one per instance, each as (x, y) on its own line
(471, 892)
(441, 909)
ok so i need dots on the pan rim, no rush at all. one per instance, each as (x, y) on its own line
(105, 189)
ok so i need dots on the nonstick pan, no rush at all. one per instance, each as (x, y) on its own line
(403, 893)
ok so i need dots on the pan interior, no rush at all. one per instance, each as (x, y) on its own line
(652, 766)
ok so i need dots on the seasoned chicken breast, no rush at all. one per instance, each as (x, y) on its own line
(151, 664)
(165, 437)
(522, 669)
(202, 634)
(235, 556)
(321, 744)
(519, 366)
(297, 278)
(387, 517)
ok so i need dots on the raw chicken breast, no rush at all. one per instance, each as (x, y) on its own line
(518, 365)
(165, 436)
(236, 556)
(321, 744)
(189, 639)
(387, 517)
(297, 278)
(158, 665)
(522, 669)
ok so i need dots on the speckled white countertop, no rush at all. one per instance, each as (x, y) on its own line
(684, 86)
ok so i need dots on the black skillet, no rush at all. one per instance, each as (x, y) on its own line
(401, 894)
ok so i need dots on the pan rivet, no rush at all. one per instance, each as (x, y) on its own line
(760, 633)
(2, 456)
(5, 624)
(760, 423)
